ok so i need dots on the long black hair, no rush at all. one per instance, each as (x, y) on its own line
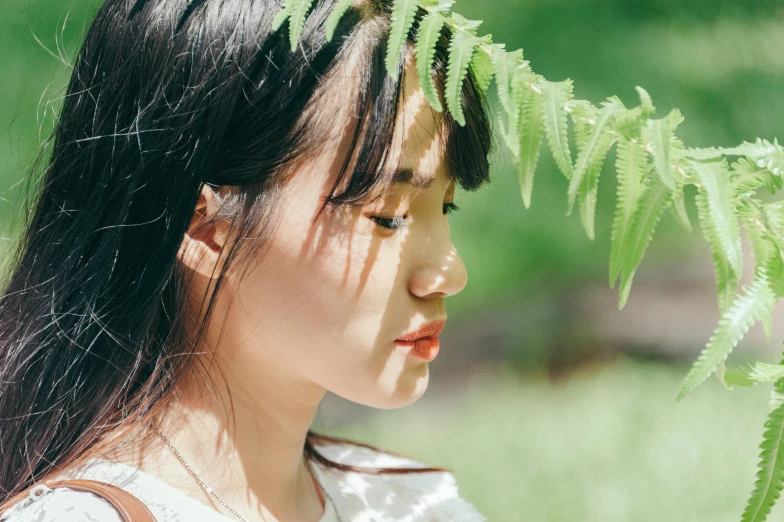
(166, 96)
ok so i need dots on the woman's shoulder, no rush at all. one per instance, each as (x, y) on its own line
(62, 504)
(428, 496)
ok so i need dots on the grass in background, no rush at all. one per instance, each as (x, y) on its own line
(608, 444)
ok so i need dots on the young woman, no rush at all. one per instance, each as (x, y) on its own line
(224, 230)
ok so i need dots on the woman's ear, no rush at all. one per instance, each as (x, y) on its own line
(203, 241)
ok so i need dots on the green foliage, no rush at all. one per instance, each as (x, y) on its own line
(753, 374)
(555, 96)
(530, 131)
(461, 50)
(403, 12)
(652, 167)
(770, 476)
(746, 310)
(429, 32)
(585, 181)
(339, 9)
(632, 168)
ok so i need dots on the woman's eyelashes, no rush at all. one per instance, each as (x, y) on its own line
(394, 223)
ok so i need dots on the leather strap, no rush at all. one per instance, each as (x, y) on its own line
(130, 508)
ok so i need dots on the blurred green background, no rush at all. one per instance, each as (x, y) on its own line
(548, 402)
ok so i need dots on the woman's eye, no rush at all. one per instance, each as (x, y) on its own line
(390, 223)
(395, 223)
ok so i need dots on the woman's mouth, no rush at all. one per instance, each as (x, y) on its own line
(424, 342)
(424, 347)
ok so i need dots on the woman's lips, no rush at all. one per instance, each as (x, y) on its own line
(424, 342)
(424, 347)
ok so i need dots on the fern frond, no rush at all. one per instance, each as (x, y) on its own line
(726, 277)
(770, 156)
(506, 66)
(655, 198)
(679, 205)
(590, 158)
(714, 178)
(773, 215)
(403, 13)
(646, 104)
(461, 49)
(631, 166)
(298, 14)
(752, 375)
(749, 178)
(531, 133)
(747, 309)
(555, 96)
(425, 51)
(338, 10)
(583, 115)
(770, 474)
(282, 15)
(628, 124)
(659, 134)
(764, 153)
(482, 68)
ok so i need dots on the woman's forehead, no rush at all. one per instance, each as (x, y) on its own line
(417, 145)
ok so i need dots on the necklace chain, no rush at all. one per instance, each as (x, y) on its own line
(215, 495)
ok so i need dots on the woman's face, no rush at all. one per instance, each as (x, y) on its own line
(330, 296)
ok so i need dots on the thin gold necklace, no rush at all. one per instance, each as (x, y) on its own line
(215, 495)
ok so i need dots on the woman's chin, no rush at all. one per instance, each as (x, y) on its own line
(405, 390)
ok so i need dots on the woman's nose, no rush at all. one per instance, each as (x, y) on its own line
(440, 274)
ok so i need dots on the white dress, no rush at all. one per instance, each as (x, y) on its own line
(360, 497)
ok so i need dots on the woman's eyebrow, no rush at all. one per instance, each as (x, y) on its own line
(412, 177)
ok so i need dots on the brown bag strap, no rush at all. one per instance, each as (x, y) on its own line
(130, 508)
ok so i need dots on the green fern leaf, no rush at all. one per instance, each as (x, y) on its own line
(299, 12)
(590, 158)
(429, 33)
(482, 69)
(776, 268)
(461, 50)
(712, 153)
(531, 132)
(770, 156)
(770, 474)
(589, 188)
(655, 198)
(726, 277)
(752, 375)
(763, 246)
(747, 309)
(631, 166)
(283, 13)
(583, 114)
(714, 178)
(555, 96)
(679, 205)
(628, 124)
(403, 13)
(339, 9)
(764, 153)
(507, 66)
(658, 134)
(646, 104)
(749, 178)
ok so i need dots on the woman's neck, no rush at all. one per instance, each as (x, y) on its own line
(256, 464)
